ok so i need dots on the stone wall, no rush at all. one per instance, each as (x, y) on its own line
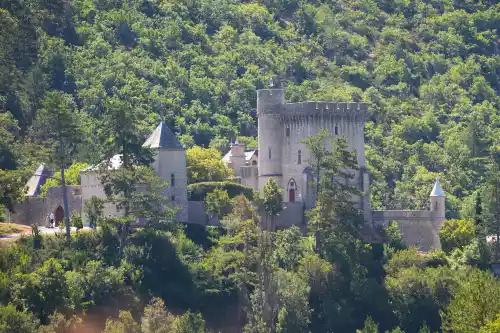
(34, 210)
(419, 228)
(292, 214)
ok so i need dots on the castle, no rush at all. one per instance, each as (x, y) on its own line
(280, 155)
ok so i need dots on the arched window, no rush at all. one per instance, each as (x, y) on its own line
(254, 162)
(287, 132)
(292, 189)
(172, 180)
(299, 157)
(269, 153)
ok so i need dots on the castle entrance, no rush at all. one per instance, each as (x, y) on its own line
(59, 214)
(291, 190)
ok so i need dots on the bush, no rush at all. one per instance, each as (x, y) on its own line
(76, 220)
(456, 234)
(199, 191)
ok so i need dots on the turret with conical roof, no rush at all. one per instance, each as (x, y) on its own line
(170, 164)
(438, 201)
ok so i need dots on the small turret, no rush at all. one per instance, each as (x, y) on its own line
(438, 201)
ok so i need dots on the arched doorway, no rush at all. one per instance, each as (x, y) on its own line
(292, 189)
(59, 214)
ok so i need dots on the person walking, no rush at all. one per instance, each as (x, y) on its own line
(52, 222)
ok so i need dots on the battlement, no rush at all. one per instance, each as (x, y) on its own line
(325, 108)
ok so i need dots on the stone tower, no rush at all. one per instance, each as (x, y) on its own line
(438, 202)
(170, 164)
(282, 127)
(270, 106)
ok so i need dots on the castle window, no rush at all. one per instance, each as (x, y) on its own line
(287, 132)
(172, 198)
(254, 162)
(172, 180)
(299, 157)
(336, 130)
(269, 153)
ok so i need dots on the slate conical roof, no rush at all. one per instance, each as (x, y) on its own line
(437, 191)
(37, 180)
(162, 137)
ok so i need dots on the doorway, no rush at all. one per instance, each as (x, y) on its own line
(59, 214)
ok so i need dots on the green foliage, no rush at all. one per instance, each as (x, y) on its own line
(395, 238)
(205, 165)
(456, 234)
(217, 203)
(12, 320)
(472, 307)
(369, 327)
(272, 200)
(199, 191)
(93, 210)
(76, 220)
(71, 176)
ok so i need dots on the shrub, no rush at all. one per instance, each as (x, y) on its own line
(76, 220)
(456, 234)
(199, 191)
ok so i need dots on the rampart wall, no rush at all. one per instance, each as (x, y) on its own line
(419, 228)
(34, 210)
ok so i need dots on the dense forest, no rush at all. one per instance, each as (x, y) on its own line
(82, 80)
(429, 69)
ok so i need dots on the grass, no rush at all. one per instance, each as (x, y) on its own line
(10, 228)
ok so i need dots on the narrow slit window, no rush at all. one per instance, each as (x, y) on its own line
(287, 132)
(269, 153)
(299, 157)
(172, 180)
(172, 198)
(336, 130)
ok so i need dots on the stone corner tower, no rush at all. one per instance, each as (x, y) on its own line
(437, 198)
(270, 105)
(171, 166)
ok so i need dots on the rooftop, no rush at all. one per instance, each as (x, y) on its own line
(437, 191)
(162, 137)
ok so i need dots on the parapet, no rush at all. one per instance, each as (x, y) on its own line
(270, 101)
(325, 108)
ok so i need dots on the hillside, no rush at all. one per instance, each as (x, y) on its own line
(429, 69)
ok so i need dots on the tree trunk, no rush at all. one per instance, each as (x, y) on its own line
(65, 204)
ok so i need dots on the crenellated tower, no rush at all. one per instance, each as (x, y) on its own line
(282, 155)
(270, 106)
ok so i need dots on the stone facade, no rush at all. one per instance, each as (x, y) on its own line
(281, 155)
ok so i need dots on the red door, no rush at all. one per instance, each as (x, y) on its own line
(291, 193)
(59, 215)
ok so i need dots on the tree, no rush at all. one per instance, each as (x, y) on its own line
(472, 306)
(369, 327)
(58, 124)
(12, 320)
(456, 234)
(93, 209)
(493, 190)
(12, 181)
(71, 176)
(272, 201)
(205, 164)
(333, 169)
(124, 324)
(217, 203)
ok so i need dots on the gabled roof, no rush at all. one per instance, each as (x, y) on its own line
(248, 155)
(437, 191)
(37, 180)
(162, 137)
(114, 163)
